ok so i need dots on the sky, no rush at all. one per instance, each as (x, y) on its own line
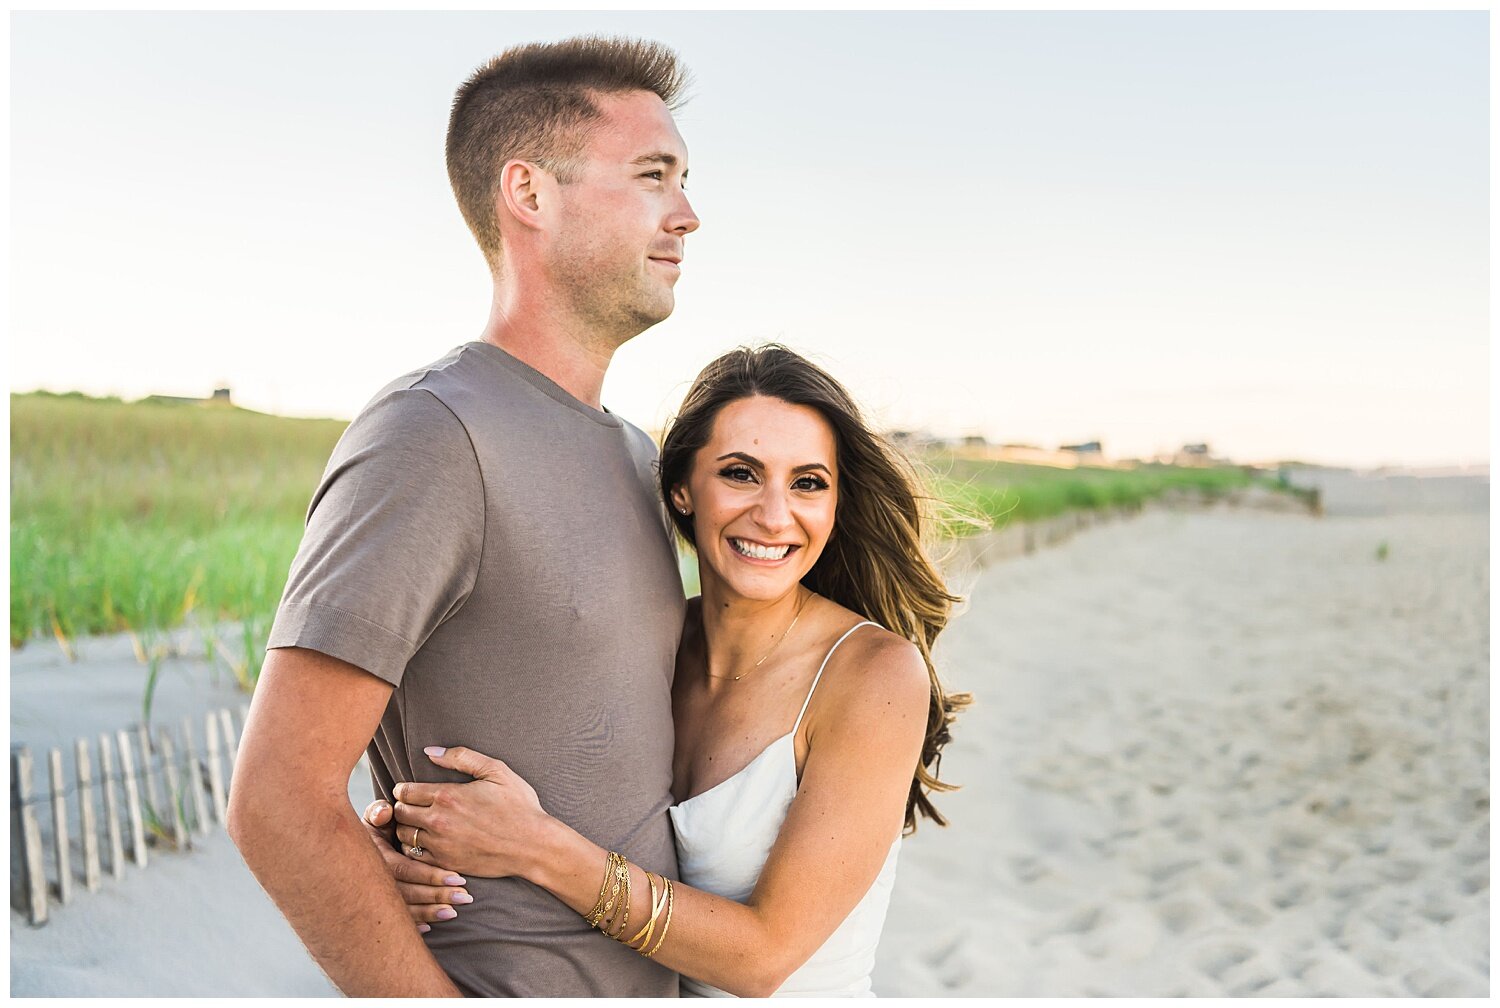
(1265, 231)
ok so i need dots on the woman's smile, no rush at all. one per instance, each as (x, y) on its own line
(761, 553)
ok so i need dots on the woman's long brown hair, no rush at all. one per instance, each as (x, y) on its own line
(875, 562)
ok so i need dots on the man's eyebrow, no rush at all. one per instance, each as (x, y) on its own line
(744, 457)
(660, 157)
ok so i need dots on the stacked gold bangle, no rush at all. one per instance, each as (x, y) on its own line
(614, 902)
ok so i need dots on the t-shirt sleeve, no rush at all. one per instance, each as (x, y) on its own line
(393, 538)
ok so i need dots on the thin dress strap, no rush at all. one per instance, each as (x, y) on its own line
(824, 666)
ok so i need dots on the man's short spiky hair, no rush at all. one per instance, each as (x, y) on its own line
(534, 102)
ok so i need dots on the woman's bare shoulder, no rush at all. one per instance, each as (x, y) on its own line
(874, 668)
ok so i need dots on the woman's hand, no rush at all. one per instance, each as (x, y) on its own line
(429, 890)
(493, 826)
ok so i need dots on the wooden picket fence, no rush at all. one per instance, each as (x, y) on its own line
(172, 791)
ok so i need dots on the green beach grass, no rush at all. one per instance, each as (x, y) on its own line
(143, 517)
(140, 517)
(1010, 491)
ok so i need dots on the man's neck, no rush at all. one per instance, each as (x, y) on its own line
(547, 337)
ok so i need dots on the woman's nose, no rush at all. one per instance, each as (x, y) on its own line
(774, 513)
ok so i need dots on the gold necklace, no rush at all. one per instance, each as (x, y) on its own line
(795, 616)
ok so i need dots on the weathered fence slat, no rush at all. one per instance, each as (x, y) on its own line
(111, 806)
(154, 806)
(132, 802)
(174, 789)
(215, 769)
(88, 825)
(193, 773)
(31, 837)
(230, 744)
(60, 827)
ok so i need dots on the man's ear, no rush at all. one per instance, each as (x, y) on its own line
(526, 192)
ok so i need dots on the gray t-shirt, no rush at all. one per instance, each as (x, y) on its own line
(497, 550)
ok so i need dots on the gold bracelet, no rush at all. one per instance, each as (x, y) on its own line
(622, 883)
(609, 905)
(615, 929)
(656, 907)
(594, 915)
(665, 924)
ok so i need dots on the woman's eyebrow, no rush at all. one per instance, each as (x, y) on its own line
(745, 457)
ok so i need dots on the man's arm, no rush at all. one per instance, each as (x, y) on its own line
(311, 718)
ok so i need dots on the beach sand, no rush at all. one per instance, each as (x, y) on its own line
(1224, 752)
(1220, 753)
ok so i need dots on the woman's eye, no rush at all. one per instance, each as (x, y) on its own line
(740, 474)
(811, 483)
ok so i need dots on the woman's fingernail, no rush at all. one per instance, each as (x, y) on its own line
(423, 928)
(434, 750)
(455, 880)
(462, 898)
(446, 913)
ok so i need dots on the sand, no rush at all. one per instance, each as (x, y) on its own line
(1217, 753)
(1224, 753)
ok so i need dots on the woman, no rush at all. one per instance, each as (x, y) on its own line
(809, 717)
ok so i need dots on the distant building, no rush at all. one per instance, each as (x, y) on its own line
(1196, 455)
(220, 397)
(1093, 448)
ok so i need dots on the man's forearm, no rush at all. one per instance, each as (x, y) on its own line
(316, 861)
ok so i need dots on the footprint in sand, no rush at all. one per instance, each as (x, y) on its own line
(1334, 925)
(949, 960)
(1288, 894)
(1333, 974)
(1027, 869)
(1399, 871)
(1218, 958)
(1431, 981)
(1246, 914)
(1475, 884)
(1438, 908)
(1181, 916)
(1166, 870)
(1250, 978)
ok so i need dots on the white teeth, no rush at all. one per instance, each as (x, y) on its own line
(760, 552)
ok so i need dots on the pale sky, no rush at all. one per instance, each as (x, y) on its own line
(1266, 231)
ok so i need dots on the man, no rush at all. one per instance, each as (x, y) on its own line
(486, 562)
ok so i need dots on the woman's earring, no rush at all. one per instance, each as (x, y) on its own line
(683, 510)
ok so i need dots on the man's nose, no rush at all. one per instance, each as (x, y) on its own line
(683, 220)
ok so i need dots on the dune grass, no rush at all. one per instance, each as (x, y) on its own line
(141, 517)
(1010, 491)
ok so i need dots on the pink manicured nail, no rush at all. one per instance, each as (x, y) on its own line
(462, 897)
(455, 880)
(446, 913)
(434, 750)
(423, 928)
